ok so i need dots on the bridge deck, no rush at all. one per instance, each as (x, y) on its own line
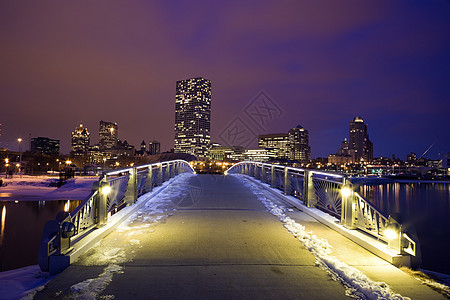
(222, 243)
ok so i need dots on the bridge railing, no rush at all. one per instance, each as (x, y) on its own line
(113, 191)
(331, 193)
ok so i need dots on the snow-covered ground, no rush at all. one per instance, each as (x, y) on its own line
(357, 284)
(38, 188)
(25, 282)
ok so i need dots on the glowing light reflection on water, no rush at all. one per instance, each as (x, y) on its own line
(427, 207)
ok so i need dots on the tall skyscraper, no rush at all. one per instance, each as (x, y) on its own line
(299, 144)
(193, 117)
(80, 140)
(108, 135)
(359, 140)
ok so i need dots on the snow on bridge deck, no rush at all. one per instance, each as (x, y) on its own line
(210, 236)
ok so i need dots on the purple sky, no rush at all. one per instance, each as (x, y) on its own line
(320, 62)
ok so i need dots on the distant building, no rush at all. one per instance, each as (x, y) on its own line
(193, 117)
(279, 142)
(108, 135)
(411, 158)
(344, 155)
(154, 147)
(45, 145)
(299, 148)
(259, 154)
(143, 146)
(359, 140)
(227, 153)
(293, 145)
(446, 163)
(80, 140)
(95, 156)
(123, 149)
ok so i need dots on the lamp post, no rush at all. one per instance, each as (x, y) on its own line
(20, 155)
(6, 164)
(68, 169)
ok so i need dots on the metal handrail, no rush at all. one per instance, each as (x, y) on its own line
(323, 190)
(83, 217)
(60, 235)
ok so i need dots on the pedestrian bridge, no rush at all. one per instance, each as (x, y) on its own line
(275, 232)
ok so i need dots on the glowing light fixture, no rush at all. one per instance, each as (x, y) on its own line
(106, 190)
(391, 231)
(345, 192)
(391, 234)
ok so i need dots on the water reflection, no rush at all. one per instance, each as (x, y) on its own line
(2, 224)
(424, 205)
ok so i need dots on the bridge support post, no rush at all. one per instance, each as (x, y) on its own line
(263, 174)
(178, 169)
(102, 202)
(159, 177)
(148, 187)
(131, 193)
(273, 178)
(309, 194)
(166, 174)
(347, 207)
(287, 182)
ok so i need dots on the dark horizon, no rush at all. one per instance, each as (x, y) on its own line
(320, 64)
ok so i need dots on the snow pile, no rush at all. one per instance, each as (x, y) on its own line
(27, 180)
(22, 283)
(161, 206)
(90, 288)
(42, 188)
(357, 284)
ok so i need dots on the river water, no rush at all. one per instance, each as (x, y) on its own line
(21, 226)
(427, 207)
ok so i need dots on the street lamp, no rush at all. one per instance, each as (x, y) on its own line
(20, 150)
(6, 164)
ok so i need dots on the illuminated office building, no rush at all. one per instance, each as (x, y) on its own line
(299, 148)
(108, 135)
(80, 140)
(193, 117)
(359, 140)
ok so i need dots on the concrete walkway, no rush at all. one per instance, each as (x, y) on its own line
(221, 243)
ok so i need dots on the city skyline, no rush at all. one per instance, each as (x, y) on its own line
(320, 64)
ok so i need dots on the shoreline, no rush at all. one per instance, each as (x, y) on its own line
(38, 188)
